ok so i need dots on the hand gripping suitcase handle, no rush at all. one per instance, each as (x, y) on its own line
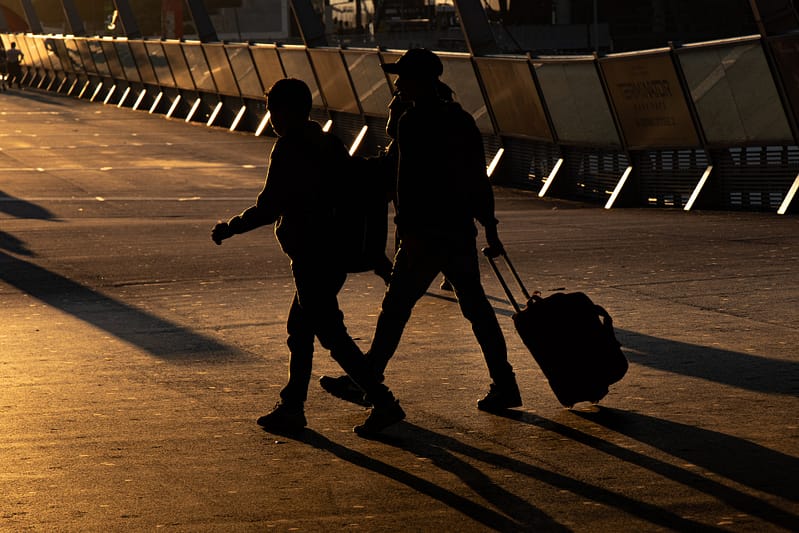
(495, 268)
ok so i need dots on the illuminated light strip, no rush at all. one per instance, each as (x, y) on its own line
(698, 188)
(262, 125)
(238, 118)
(156, 102)
(50, 85)
(96, 92)
(72, 87)
(124, 96)
(550, 178)
(110, 94)
(193, 109)
(495, 162)
(789, 197)
(212, 118)
(618, 188)
(139, 99)
(85, 86)
(173, 107)
(41, 81)
(357, 142)
(61, 86)
(327, 126)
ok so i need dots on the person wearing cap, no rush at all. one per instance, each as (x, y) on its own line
(442, 187)
(304, 168)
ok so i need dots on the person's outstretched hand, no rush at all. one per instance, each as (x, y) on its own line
(494, 248)
(220, 232)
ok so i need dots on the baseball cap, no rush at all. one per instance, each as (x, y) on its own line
(416, 63)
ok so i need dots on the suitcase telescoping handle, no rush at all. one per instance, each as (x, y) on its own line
(495, 268)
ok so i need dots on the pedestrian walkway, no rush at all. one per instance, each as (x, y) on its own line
(135, 356)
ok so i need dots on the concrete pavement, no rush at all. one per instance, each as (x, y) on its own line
(135, 356)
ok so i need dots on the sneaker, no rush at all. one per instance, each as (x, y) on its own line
(283, 419)
(499, 399)
(379, 419)
(344, 388)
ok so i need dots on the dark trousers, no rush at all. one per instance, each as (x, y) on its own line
(14, 74)
(417, 263)
(315, 313)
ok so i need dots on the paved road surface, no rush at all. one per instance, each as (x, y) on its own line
(136, 356)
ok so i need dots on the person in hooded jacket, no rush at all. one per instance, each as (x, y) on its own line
(304, 168)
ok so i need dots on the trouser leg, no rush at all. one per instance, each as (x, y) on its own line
(463, 271)
(300, 343)
(413, 273)
(317, 291)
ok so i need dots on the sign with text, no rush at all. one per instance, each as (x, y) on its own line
(649, 101)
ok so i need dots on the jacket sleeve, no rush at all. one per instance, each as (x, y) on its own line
(482, 192)
(271, 200)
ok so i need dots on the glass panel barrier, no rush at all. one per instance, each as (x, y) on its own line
(46, 48)
(86, 56)
(61, 50)
(114, 65)
(200, 72)
(100, 61)
(513, 97)
(334, 80)
(244, 70)
(296, 64)
(576, 101)
(41, 60)
(267, 63)
(160, 65)
(220, 69)
(180, 69)
(734, 94)
(142, 58)
(74, 57)
(785, 49)
(649, 100)
(31, 59)
(460, 75)
(128, 61)
(370, 82)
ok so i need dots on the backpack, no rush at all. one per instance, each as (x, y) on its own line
(361, 218)
(360, 215)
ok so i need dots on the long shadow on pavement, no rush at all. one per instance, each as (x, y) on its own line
(513, 512)
(155, 335)
(741, 370)
(741, 461)
(20, 208)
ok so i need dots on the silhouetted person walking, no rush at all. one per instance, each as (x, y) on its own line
(442, 187)
(14, 58)
(304, 167)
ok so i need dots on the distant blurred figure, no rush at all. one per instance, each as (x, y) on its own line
(14, 59)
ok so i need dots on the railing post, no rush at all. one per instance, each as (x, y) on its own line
(128, 20)
(309, 22)
(476, 30)
(33, 19)
(205, 28)
(73, 19)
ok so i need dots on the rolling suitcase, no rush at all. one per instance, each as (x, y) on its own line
(572, 340)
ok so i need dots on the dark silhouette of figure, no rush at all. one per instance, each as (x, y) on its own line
(304, 167)
(442, 187)
(14, 58)
(3, 69)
